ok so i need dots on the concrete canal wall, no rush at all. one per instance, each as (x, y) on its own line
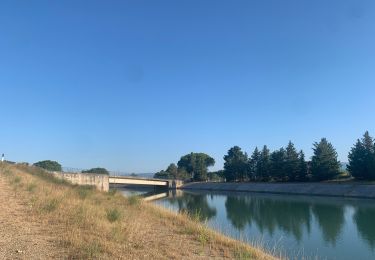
(100, 181)
(352, 190)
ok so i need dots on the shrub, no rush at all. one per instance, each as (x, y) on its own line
(113, 215)
(49, 165)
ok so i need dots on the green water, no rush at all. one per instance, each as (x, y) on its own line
(297, 226)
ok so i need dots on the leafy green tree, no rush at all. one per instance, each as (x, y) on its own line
(216, 175)
(324, 163)
(49, 165)
(253, 164)
(263, 165)
(196, 165)
(235, 165)
(291, 162)
(162, 175)
(97, 170)
(362, 158)
(173, 170)
(302, 167)
(277, 164)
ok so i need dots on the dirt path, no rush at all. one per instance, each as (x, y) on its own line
(22, 236)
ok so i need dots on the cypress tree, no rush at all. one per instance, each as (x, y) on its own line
(253, 164)
(263, 165)
(236, 164)
(324, 163)
(291, 162)
(302, 167)
(277, 164)
(362, 158)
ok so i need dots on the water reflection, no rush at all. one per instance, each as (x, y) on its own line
(365, 220)
(195, 205)
(330, 219)
(268, 214)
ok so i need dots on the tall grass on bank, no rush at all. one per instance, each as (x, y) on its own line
(90, 224)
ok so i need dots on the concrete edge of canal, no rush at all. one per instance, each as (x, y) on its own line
(349, 190)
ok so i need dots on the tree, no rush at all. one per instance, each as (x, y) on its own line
(235, 165)
(162, 175)
(302, 167)
(49, 165)
(97, 170)
(263, 165)
(253, 164)
(277, 164)
(362, 158)
(173, 170)
(324, 163)
(291, 162)
(196, 165)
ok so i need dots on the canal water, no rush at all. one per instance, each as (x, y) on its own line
(295, 226)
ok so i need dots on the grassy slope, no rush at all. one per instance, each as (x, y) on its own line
(93, 224)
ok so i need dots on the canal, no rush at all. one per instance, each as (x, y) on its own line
(295, 226)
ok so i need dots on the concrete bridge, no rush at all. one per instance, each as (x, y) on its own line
(102, 181)
(170, 184)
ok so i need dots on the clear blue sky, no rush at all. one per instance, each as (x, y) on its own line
(133, 85)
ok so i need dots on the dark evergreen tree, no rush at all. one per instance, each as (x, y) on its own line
(236, 164)
(291, 162)
(263, 165)
(253, 164)
(277, 164)
(324, 163)
(362, 158)
(302, 167)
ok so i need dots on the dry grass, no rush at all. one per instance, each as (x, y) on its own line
(98, 225)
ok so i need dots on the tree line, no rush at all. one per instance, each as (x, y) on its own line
(282, 165)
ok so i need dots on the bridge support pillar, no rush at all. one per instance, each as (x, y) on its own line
(174, 184)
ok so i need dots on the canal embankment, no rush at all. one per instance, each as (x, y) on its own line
(81, 222)
(349, 190)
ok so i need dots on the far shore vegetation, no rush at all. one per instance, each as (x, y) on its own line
(283, 165)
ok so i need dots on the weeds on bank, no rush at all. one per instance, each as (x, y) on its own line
(84, 191)
(92, 249)
(50, 205)
(134, 200)
(31, 187)
(113, 215)
(112, 192)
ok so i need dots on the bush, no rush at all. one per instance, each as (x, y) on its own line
(97, 170)
(113, 215)
(49, 165)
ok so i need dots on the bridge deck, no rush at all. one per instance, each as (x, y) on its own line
(138, 181)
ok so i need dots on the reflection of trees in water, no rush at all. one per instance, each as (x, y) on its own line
(238, 211)
(269, 214)
(365, 220)
(195, 205)
(330, 219)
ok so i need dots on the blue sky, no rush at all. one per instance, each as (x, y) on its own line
(133, 85)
